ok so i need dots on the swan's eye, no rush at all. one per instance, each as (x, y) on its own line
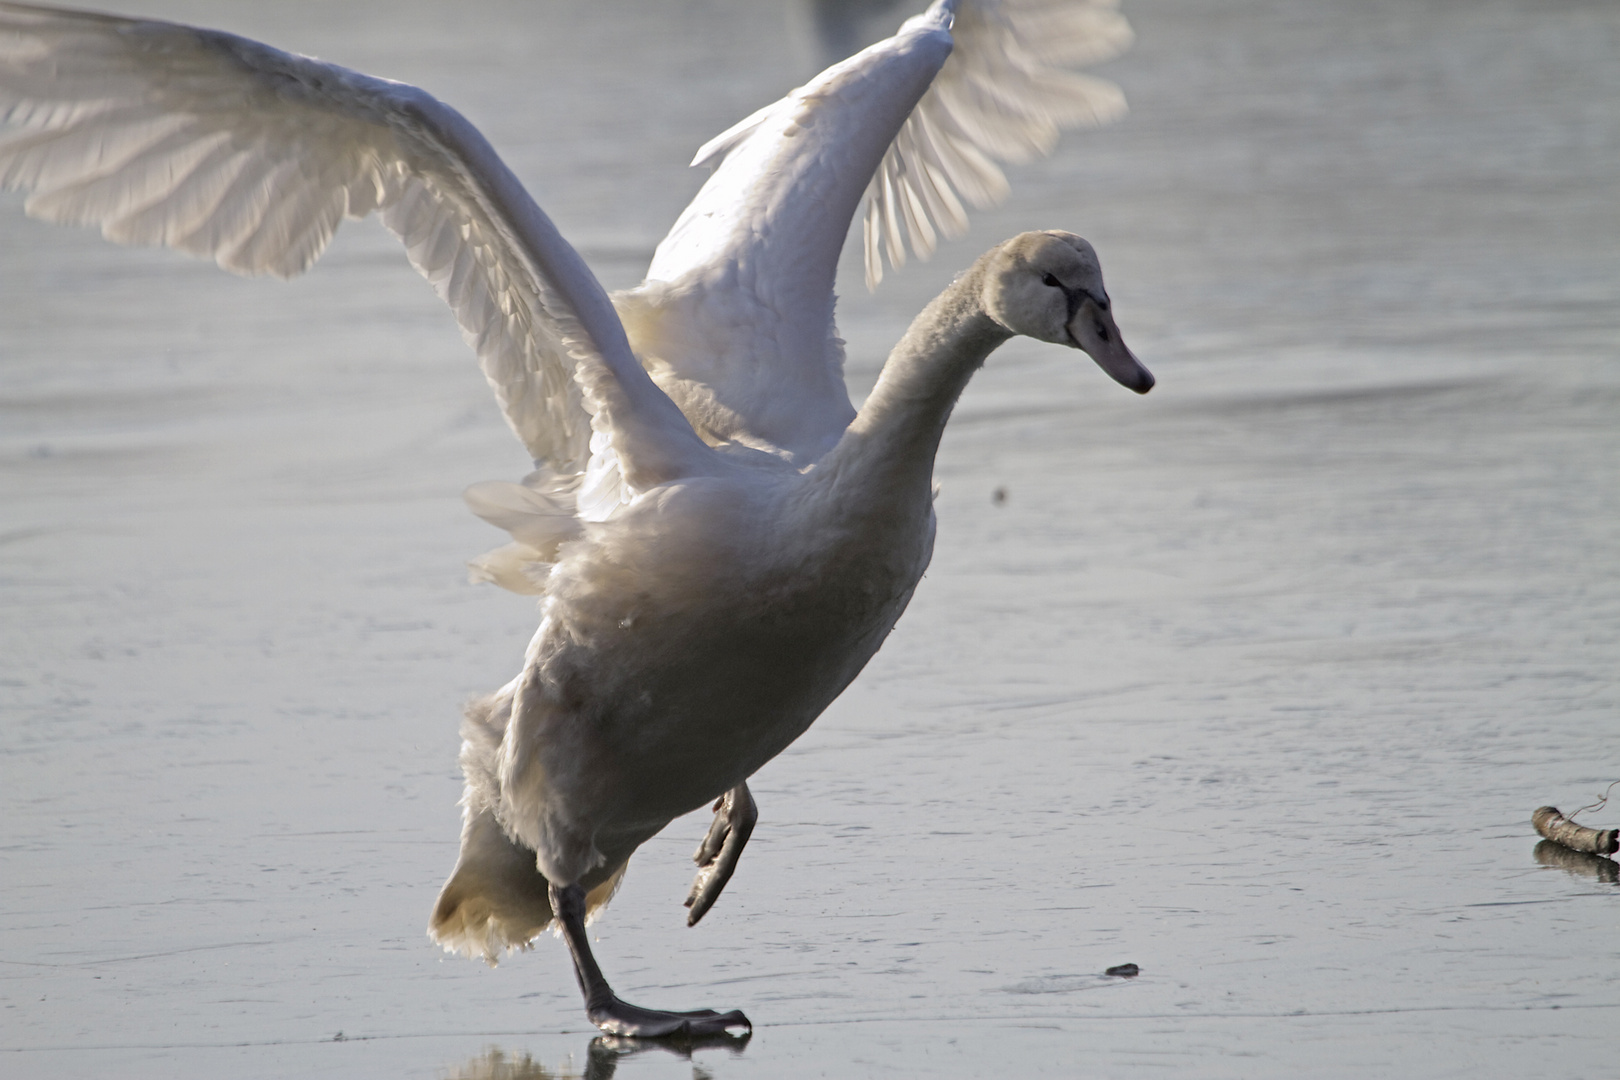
(1052, 281)
(1102, 331)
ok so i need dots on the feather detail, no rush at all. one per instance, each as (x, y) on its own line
(1003, 95)
(232, 150)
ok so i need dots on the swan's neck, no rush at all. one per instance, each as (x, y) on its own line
(894, 438)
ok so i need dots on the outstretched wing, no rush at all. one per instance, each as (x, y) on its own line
(220, 146)
(736, 318)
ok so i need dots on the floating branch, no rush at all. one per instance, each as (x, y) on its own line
(1560, 830)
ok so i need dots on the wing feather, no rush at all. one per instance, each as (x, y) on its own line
(1003, 95)
(228, 149)
(915, 125)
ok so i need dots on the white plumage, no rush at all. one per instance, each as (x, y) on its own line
(720, 542)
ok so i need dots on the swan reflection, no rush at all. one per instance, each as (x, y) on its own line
(601, 1058)
(494, 1064)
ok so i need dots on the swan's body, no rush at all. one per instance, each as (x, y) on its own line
(721, 542)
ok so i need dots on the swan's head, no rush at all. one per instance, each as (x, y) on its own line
(1049, 286)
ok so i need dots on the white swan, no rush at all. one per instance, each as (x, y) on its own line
(721, 542)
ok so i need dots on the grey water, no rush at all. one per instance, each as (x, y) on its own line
(1253, 682)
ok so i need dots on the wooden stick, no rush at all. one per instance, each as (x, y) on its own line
(1560, 830)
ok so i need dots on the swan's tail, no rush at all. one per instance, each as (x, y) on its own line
(496, 899)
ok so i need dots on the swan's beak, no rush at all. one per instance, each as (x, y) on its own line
(1093, 330)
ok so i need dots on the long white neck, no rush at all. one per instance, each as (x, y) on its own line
(892, 441)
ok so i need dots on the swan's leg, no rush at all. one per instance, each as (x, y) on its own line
(734, 817)
(604, 1009)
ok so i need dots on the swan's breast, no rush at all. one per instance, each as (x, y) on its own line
(693, 640)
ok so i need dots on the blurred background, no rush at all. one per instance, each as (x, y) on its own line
(1253, 682)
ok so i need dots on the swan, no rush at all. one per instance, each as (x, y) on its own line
(719, 540)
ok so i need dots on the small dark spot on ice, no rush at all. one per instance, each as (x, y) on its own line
(998, 497)
(1124, 971)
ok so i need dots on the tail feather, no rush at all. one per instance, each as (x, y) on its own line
(496, 899)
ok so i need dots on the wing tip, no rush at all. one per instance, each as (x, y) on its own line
(917, 190)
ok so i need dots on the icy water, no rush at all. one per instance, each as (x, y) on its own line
(1253, 682)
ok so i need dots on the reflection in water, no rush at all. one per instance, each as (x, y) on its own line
(1578, 863)
(601, 1058)
(606, 1050)
(493, 1064)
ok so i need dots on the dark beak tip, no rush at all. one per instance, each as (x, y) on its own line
(1146, 382)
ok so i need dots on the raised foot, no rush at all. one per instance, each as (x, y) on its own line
(631, 1021)
(734, 816)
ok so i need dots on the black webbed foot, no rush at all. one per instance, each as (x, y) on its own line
(734, 816)
(602, 1005)
(623, 1019)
